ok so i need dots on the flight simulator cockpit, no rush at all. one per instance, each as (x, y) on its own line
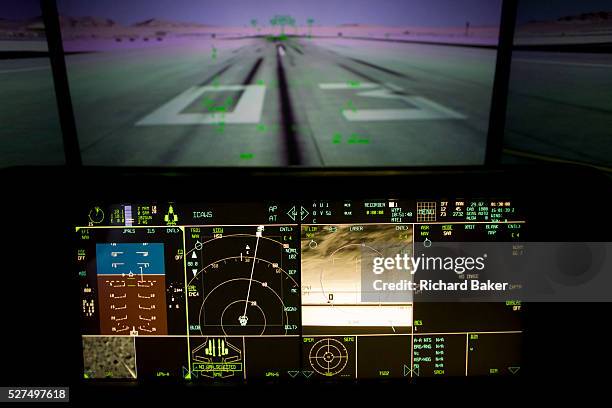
(208, 201)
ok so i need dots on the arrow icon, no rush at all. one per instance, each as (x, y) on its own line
(195, 272)
(514, 370)
(307, 374)
(303, 213)
(407, 370)
(293, 374)
(194, 255)
(186, 373)
(292, 213)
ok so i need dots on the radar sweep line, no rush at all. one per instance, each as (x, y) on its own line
(246, 304)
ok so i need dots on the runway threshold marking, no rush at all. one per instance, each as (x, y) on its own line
(248, 109)
(426, 109)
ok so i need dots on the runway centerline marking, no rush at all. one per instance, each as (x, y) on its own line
(248, 109)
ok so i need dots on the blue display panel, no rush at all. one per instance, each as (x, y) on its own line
(130, 259)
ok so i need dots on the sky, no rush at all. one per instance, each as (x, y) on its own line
(19, 9)
(553, 9)
(423, 13)
(439, 13)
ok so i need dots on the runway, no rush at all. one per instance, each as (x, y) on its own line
(264, 101)
(317, 102)
(560, 106)
(30, 132)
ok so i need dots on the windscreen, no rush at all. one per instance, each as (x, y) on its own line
(30, 132)
(277, 83)
(558, 104)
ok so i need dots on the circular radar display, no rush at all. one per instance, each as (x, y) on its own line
(328, 357)
(242, 280)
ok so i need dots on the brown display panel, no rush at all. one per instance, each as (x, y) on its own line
(131, 305)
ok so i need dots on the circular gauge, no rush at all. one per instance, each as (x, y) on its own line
(240, 305)
(328, 357)
(96, 215)
(240, 316)
(243, 282)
